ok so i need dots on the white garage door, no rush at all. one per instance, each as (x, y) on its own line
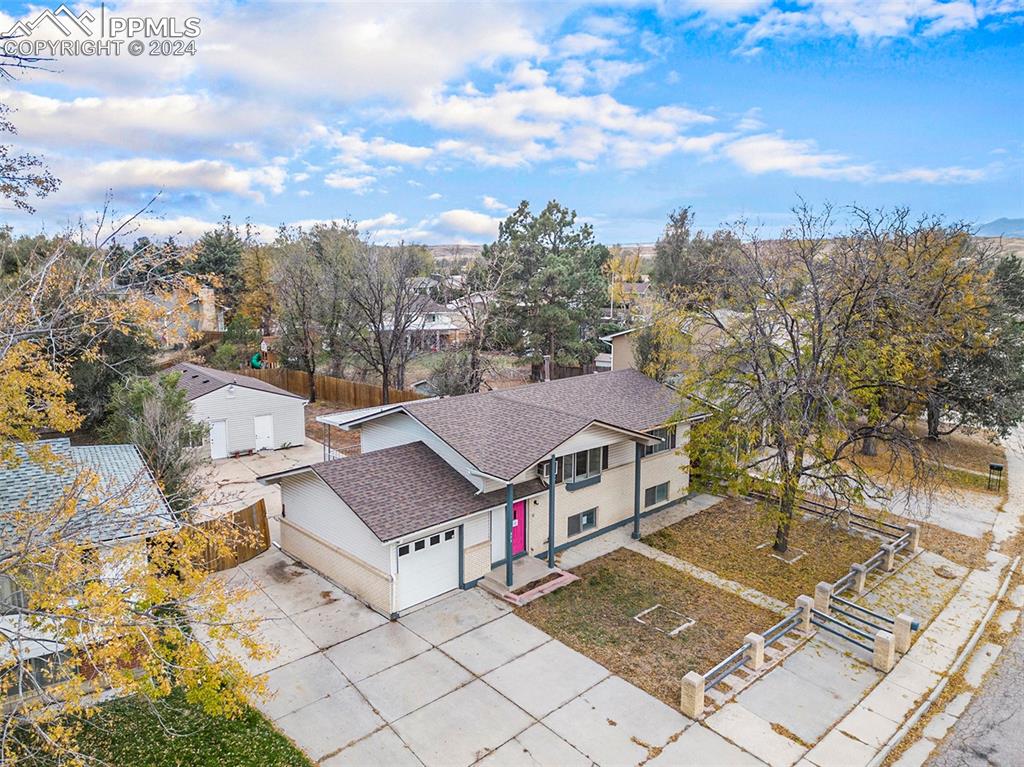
(427, 567)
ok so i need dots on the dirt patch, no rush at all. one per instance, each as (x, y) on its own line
(725, 539)
(539, 582)
(595, 616)
(345, 441)
(284, 571)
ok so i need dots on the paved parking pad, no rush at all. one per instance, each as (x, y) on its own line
(494, 644)
(300, 683)
(412, 684)
(536, 747)
(376, 650)
(382, 749)
(454, 615)
(326, 726)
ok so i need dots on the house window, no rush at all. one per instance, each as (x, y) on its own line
(545, 468)
(587, 464)
(656, 494)
(12, 598)
(585, 520)
(668, 440)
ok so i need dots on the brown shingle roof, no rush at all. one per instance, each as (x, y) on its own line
(504, 432)
(402, 489)
(197, 380)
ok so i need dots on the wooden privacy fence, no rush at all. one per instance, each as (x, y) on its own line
(351, 393)
(247, 536)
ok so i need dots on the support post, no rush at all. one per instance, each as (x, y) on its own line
(691, 698)
(552, 467)
(822, 597)
(884, 655)
(860, 577)
(915, 538)
(636, 491)
(805, 603)
(902, 627)
(889, 561)
(756, 657)
(508, 534)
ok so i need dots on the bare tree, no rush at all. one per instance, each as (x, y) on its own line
(383, 309)
(295, 277)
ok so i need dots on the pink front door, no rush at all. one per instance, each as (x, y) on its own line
(518, 527)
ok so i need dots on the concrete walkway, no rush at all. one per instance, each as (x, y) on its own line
(743, 592)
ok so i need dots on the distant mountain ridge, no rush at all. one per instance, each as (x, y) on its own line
(1002, 227)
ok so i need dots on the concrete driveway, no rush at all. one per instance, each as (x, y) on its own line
(461, 681)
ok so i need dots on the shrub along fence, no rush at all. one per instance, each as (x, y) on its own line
(351, 393)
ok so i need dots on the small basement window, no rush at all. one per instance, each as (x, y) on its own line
(656, 494)
(585, 520)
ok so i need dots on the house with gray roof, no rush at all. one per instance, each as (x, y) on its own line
(244, 414)
(484, 488)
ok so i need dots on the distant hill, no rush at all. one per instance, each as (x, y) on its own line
(1002, 227)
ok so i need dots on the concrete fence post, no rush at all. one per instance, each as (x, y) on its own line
(805, 603)
(691, 698)
(822, 597)
(756, 657)
(902, 630)
(860, 578)
(884, 655)
(889, 561)
(915, 538)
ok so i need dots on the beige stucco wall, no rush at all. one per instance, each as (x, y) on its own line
(612, 496)
(355, 576)
(477, 561)
(622, 352)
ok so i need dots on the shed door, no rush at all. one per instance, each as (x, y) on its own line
(218, 439)
(264, 425)
(427, 567)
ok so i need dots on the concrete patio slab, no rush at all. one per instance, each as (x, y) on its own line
(891, 700)
(546, 678)
(406, 687)
(839, 749)
(329, 724)
(281, 637)
(826, 665)
(476, 720)
(292, 586)
(616, 723)
(337, 621)
(376, 650)
(536, 747)
(699, 747)
(300, 683)
(485, 648)
(913, 677)
(809, 710)
(454, 615)
(382, 749)
(739, 725)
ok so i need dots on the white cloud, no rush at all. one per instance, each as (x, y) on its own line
(357, 184)
(582, 43)
(387, 220)
(471, 222)
(771, 153)
(493, 204)
(953, 174)
(435, 196)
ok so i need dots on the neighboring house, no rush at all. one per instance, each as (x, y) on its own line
(622, 344)
(122, 512)
(244, 413)
(446, 489)
(202, 314)
(433, 327)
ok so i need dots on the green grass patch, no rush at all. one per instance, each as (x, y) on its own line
(133, 732)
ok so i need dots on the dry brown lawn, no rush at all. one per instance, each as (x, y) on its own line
(346, 441)
(594, 616)
(724, 539)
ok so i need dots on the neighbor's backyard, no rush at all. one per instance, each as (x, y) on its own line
(596, 616)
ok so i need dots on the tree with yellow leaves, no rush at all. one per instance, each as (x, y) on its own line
(102, 585)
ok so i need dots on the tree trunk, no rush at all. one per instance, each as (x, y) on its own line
(385, 386)
(787, 503)
(312, 385)
(933, 417)
(869, 446)
(474, 365)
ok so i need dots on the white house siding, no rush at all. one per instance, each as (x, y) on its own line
(238, 406)
(312, 505)
(401, 429)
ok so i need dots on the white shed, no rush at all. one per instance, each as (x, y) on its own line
(244, 413)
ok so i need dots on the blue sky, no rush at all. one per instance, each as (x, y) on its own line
(428, 121)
